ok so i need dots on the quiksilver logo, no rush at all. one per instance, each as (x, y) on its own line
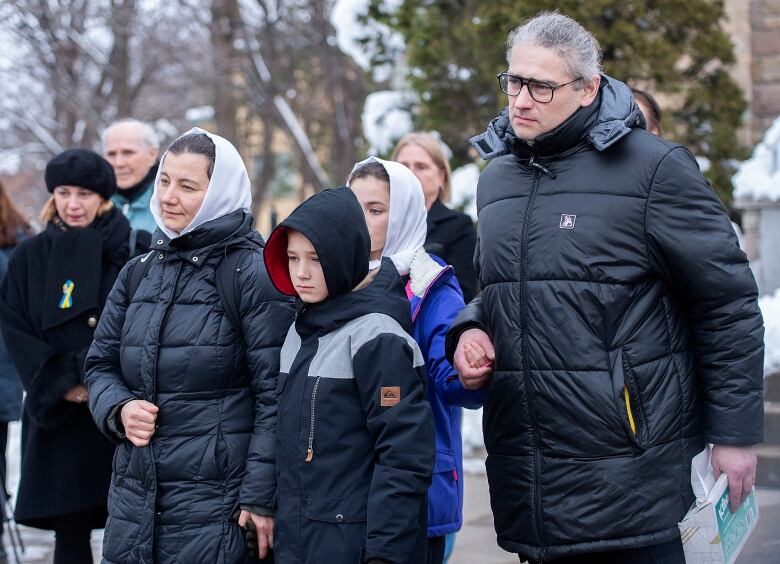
(390, 396)
(567, 221)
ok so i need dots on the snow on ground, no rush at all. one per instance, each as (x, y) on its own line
(758, 178)
(770, 308)
(473, 442)
(13, 454)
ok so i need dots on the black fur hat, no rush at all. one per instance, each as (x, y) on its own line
(82, 168)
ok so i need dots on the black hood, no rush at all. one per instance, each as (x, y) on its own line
(334, 223)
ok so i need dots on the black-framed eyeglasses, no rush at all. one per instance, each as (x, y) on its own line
(541, 92)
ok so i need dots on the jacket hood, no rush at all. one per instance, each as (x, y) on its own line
(407, 225)
(334, 223)
(229, 189)
(615, 116)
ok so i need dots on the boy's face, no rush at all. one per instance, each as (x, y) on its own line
(305, 269)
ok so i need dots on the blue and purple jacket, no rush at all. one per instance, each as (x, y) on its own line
(436, 299)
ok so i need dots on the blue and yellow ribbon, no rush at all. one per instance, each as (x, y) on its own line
(67, 291)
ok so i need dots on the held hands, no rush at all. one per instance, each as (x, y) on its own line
(77, 394)
(138, 419)
(263, 532)
(474, 357)
(739, 464)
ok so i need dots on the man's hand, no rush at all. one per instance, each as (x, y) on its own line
(262, 526)
(138, 419)
(739, 464)
(474, 357)
(77, 394)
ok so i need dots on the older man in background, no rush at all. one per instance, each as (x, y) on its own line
(132, 148)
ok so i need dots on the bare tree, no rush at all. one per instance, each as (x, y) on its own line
(225, 27)
(271, 69)
(78, 65)
(302, 84)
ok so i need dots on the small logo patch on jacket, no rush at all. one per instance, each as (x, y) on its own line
(390, 395)
(567, 221)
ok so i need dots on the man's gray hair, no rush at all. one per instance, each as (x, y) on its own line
(578, 48)
(146, 132)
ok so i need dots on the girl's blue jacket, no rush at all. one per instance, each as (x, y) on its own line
(436, 299)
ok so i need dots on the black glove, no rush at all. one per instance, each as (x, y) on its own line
(251, 537)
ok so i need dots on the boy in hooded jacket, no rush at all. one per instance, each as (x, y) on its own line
(354, 432)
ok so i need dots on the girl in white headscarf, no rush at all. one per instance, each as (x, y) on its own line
(184, 388)
(394, 207)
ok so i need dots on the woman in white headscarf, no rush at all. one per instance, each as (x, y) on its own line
(394, 207)
(185, 388)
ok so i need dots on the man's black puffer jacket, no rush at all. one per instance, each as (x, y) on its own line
(626, 329)
(172, 344)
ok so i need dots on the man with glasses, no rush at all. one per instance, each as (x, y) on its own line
(617, 330)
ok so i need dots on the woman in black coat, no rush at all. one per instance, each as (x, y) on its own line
(50, 302)
(451, 235)
(186, 389)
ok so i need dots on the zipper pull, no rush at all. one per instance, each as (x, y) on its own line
(538, 166)
(541, 167)
(309, 454)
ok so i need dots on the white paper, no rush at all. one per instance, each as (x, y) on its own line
(702, 477)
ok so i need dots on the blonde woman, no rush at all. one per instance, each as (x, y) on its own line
(451, 235)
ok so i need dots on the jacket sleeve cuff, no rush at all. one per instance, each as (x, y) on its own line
(45, 403)
(453, 336)
(260, 511)
(114, 421)
(470, 317)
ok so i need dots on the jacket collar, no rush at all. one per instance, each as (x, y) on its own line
(211, 237)
(428, 272)
(143, 188)
(438, 212)
(602, 124)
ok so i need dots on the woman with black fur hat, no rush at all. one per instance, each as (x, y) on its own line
(50, 303)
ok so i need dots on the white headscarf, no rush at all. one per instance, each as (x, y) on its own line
(229, 188)
(407, 226)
